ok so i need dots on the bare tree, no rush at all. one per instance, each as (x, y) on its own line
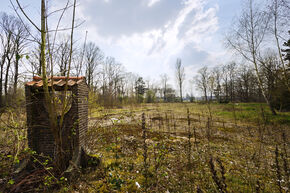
(211, 85)
(246, 38)
(79, 61)
(93, 57)
(274, 82)
(14, 36)
(164, 82)
(180, 76)
(34, 61)
(62, 55)
(20, 41)
(246, 83)
(216, 73)
(225, 86)
(280, 17)
(202, 81)
(113, 75)
(6, 47)
(231, 68)
(7, 25)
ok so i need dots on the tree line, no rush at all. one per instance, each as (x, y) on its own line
(20, 57)
(262, 75)
(110, 84)
(259, 36)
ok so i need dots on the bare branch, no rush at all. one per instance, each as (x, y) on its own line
(23, 12)
(62, 9)
(65, 29)
(14, 8)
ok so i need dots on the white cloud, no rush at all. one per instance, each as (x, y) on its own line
(155, 51)
(190, 35)
(152, 2)
(148, 35)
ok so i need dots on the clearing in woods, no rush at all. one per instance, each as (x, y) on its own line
(186, 147)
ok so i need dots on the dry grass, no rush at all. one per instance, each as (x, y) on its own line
(229, 153)
(246, 148)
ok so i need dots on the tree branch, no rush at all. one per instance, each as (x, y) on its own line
(23, 12)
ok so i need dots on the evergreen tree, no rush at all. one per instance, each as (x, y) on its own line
(287, 51)
(140, 89)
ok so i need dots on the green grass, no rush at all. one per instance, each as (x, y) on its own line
(245, 155)
(244, 112)
(252, 112)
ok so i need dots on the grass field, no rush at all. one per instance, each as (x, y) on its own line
(184, 148)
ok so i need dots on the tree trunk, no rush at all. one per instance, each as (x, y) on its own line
(253, 52)
(6, 80)
(205, 95)
(180, 87)
(16, 74)
(262, 88)
(278, 45)
(1, 86)
(227, 91)
(1, 77)
(59, 159)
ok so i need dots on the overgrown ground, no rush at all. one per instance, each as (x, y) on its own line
(183, 148)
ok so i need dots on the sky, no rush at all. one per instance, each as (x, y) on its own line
(147, 36)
